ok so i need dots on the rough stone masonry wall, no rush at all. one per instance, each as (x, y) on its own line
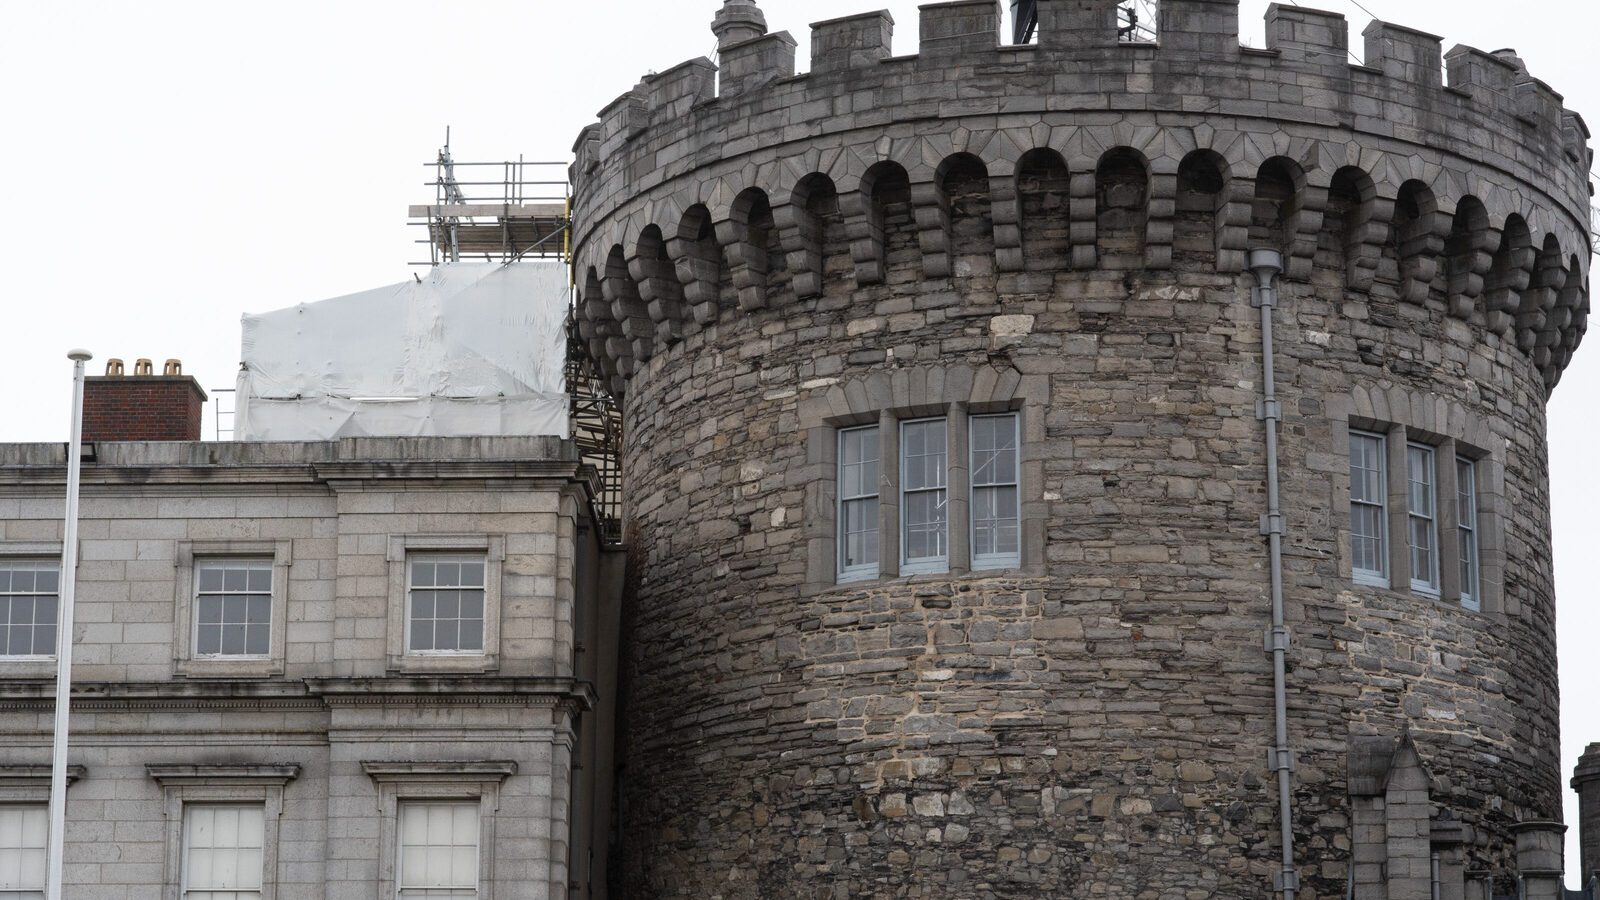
(805, 252)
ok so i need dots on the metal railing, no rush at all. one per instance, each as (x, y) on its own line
(494, 211)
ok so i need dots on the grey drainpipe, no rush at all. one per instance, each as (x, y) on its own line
(1265, 265)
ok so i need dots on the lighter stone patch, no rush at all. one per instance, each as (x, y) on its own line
(1011, 325)
(1319, 338)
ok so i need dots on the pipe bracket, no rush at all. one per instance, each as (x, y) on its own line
(1272, 523)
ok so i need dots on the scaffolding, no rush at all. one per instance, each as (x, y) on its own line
(494, 211)
(504, 212)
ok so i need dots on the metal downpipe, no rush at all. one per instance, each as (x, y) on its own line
(1265, 266)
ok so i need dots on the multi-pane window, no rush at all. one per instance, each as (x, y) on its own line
(1422, 527)
(924, 497)
(996, 523)
(438, 853)
(24, 834)
(222, 851)
(233, 608)
(1369, 546)
(858, 503)
(444, 603)
(1467, 529)
(28, 593)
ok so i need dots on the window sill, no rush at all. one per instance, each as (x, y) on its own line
(919, 578)
(229, 667)
(454, 663)
(1433, 598)
(27, 667)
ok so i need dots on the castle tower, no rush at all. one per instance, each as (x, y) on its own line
(975, 554)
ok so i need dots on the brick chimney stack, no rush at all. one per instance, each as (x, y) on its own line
(143, 406)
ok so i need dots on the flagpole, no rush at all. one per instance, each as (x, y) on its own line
(69, 584)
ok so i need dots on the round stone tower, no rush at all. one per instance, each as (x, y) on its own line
(1086, 468)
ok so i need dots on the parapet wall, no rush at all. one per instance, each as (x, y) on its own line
(1489, 173)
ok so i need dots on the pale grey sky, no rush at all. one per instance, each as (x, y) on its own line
(176, 164)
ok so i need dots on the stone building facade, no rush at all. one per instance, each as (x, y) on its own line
(364, 668)
(948, 484)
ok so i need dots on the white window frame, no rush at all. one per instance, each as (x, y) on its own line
(400, 782)
(189, 556)
(1375, 578)
(401, 546)
(447, 557)
(36, 564)
(867, 570)
(186, 887)
(412, 807)
(1429, 582)
(1467, 532)
(926, 564)
(272, 624)
(12, 884)
(987, 561)
(183, 785)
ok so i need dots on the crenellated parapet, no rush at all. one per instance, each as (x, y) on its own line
(1469, 191)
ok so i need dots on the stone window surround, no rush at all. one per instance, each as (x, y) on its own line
(493, 547)
(185, 662)
(1403, 418)
(888, 397)
(31, 784)
(398, 782)
(30, 666)
(236, 784)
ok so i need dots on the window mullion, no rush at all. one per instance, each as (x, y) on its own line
(958, 488)
(1399, 524)
(1447, 517)
(888, 495)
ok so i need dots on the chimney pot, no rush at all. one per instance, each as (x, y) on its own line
(172, 367)
(143, 366)
(113, 368)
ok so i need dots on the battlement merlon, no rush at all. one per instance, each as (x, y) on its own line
(1306, 73)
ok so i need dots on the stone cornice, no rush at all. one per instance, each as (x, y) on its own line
(453, 770)
(307, 694)
(32, 776)
(169, 775)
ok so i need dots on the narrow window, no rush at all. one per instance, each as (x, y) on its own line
(1422, 527)
(444, 604)
(233, 608)
(438, 850)
(858, 503)
(924, 507)
(222, 852)
(996, 523)
(1467, 530)
(28, 607)
(1369, 545)
(24, 834)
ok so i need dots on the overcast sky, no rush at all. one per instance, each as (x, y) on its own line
(174, 165)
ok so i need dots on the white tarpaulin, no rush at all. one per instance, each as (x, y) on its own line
(471, 349)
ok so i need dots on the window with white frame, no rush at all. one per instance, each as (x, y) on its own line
(858, 503)
(1369, 545)
(233, 608)
(24, 835)
(223, 850)
(1467, 530)
(924, 496)
(28, 602)
(995, 507)
(1422, 527)
(445, 603)
(437, 856)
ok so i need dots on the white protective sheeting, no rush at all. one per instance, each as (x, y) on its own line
(472, 349)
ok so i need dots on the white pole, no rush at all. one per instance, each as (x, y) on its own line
(69, 584)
